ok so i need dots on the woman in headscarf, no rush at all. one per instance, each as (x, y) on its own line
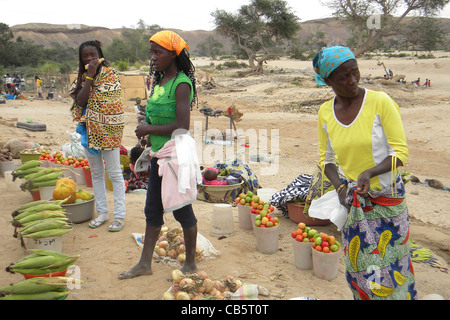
(98, 107)
(364, 131)
(168, 112)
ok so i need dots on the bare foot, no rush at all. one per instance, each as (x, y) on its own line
(136, 271)
(189, 268)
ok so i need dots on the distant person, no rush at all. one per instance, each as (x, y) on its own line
(210, 177)
(39, 83)
(140, 110)
(23, 85)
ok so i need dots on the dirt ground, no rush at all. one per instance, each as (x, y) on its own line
(283, 100)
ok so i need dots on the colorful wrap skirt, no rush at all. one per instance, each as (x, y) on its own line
(375, 239)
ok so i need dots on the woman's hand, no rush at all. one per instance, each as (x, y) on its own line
(342, 196)
(92, 68)
(142, 130)
(363, 186)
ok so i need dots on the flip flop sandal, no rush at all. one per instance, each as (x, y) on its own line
(116, 225)
(96, 223)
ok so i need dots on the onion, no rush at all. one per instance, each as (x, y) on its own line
(161, 252)
(181, 257)
(163, 244)
(168, 296)
(180, 240)
(202, 274)
(181, 249)
(208, 284)
(187, 282)
(177, 275)
(172, 253)
(164, 229)
(181, 295)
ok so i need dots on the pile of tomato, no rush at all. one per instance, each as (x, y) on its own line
(320, 241)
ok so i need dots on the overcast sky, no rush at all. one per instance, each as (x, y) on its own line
(179, 14)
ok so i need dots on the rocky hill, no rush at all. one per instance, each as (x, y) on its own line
(72, 35)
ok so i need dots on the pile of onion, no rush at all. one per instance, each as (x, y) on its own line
(198, 286)
(171, 244)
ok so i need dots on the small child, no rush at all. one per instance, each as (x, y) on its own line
(210, 177)
(140, 110)
(138, 180)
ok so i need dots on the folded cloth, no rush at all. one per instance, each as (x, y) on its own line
(180, 173)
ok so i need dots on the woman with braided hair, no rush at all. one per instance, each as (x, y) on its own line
(167, 120)
(98, 107)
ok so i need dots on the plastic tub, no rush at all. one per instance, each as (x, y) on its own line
(80, 212)
(54, 274)
(302, 255)
(87, 177)
(326, 265)
(253, 218)
(10, 184)
(265, 194)
(222, 220)
(46, 193)
(245, 220)
(35, 195)
(295, 212)
(267, 239)
(6, 166)
(51, 243)
(24, 157)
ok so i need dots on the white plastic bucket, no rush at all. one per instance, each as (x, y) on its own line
(51, 243)
(46, 192)
(79, 176)
(326, 265)
(267, 239)
(245, 220)
(222, 220)
(302, 255)
(253, 218)
(12, 185)
(265, 194)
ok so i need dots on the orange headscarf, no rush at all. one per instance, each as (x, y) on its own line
(170, 40)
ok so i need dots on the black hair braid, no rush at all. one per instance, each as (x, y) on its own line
(183, 63)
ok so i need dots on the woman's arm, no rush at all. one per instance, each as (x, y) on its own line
(182, 121)
(83, 96)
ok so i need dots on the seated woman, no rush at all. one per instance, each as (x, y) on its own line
(138, 180)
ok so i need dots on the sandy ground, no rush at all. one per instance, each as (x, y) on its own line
(285, 98)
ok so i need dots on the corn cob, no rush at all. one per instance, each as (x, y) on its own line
(50, 295)
(36, 285)
(44, 252)
(99, 61)
(22, 173)
(47, 177)
(36, 271)
(56, 205)
(62, 262)
(31, 185)
(46, 224)
(39, 173)
(48, 233)
(35, 263)
(27, 225)
(30, 204)
(39, 216)
(29, 164)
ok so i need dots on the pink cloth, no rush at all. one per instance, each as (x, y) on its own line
(171, 198)
(214, 182)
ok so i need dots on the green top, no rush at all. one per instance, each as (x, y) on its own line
(161, 107)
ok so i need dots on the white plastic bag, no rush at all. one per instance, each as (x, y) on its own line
(328, 207)
(74, 147)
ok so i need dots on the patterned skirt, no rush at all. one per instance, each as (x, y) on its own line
(376, 247)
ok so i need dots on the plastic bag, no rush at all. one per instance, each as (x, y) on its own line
(74, 147)
(143, 162)
(328, 207)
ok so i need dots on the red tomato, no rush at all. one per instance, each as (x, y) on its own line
(311, 239)
(294, 234)
(318, 248)
(299, 238)
(269, 216)
(325, 244)
(325, 249)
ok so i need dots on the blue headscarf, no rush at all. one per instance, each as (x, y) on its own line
(328, 59)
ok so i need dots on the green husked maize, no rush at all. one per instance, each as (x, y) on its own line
(31, 223)
(22, 173)
(42, 171)
(29, 205)
(50, 295)
(47, 233)
(33, 285)
(38, 208)
(47, 177)
(45, 224)
(44, 252)
(63, 262)
(29, 164)
(42, 215)
(35, 263)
